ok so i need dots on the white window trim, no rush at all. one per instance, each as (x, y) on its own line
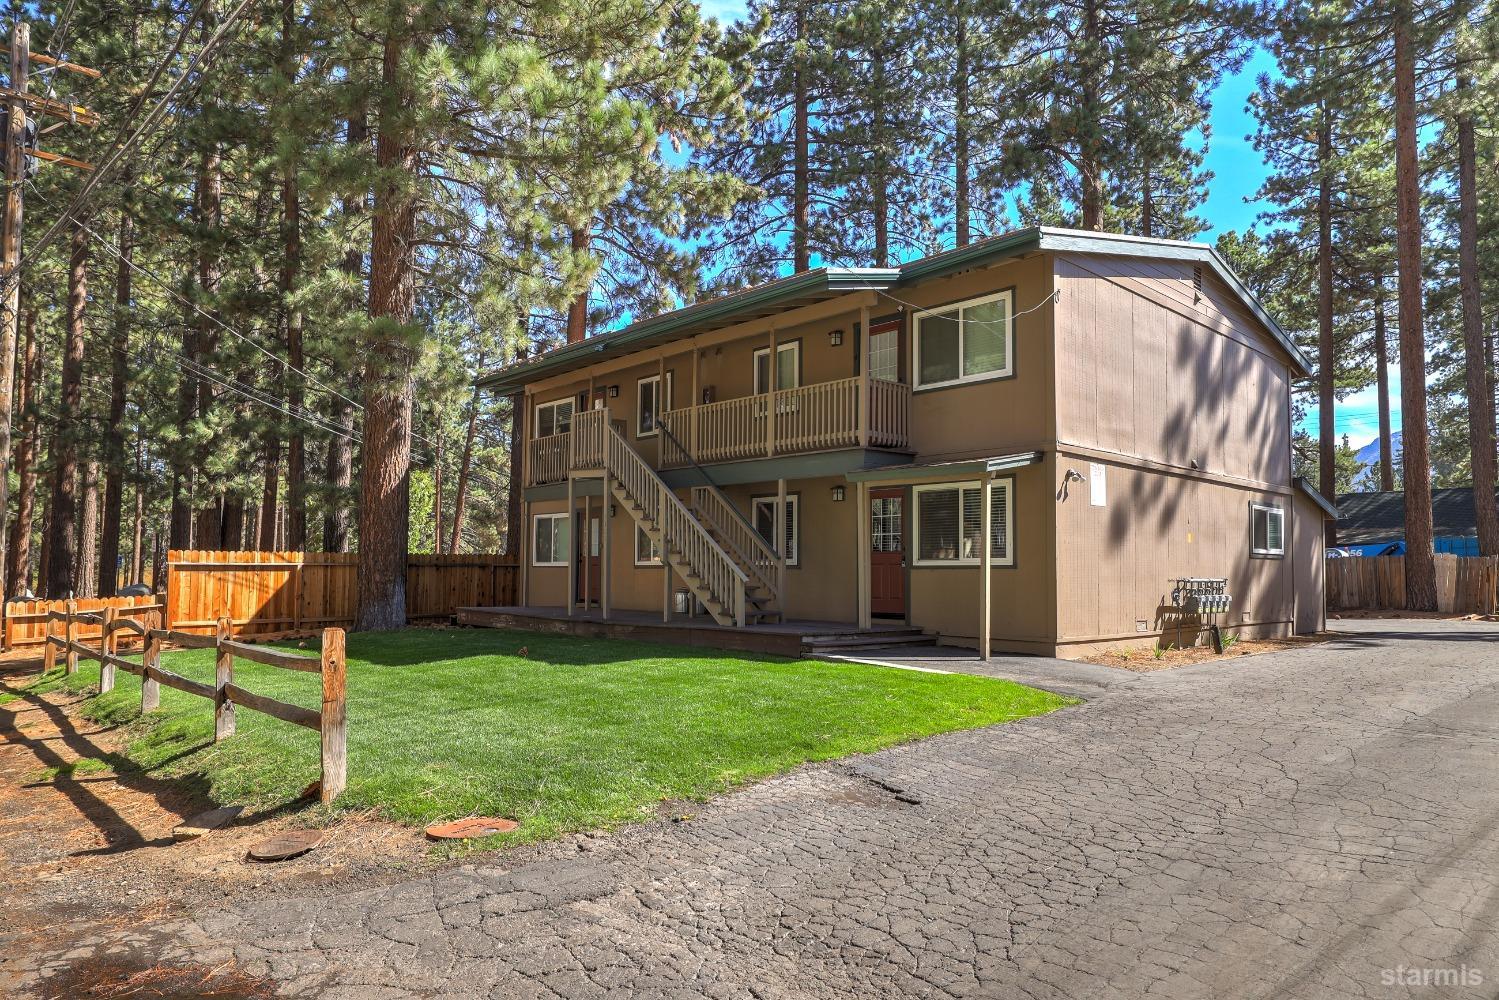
(1007, 485)
(552, 405)
(794, 346)
(536, 520)
(1255, 508)
(650, 563)
(662, 404)
(1005, 372)
(794, 557)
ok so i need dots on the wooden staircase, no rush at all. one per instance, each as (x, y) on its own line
(714, 577)
(761, 564)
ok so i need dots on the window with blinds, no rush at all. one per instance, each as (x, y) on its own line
(764, 519)
(949, 524)
(1267, 530)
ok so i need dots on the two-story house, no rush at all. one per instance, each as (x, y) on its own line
(1016, 445)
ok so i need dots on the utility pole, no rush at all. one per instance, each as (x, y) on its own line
(10, 251)
(20, 162)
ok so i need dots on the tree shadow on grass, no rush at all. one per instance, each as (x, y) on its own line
(425, 647)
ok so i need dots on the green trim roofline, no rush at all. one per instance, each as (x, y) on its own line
(826, 282)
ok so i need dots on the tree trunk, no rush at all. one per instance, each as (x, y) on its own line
(137, 557)
(801, 203)
(1382, 382)
(291, 264)
(577, 310)
(44, 557)
(233, 537)
(1327, 361)
(1147, 197)
(961, 139)
(62, 554)
(339, 471)
(385, 496)
(18, 552)
(158, 558)
(460, 492)
(114, 433)
(1420, 568)
(89, 569)
(1475, 364)
(265, 538)
(437, 497)
(1090, 166)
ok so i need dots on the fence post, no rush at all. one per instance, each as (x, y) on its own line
(70, 633)
(151, 660)
(223, 708)
(106, 647)
(49, 648)
(334, 717)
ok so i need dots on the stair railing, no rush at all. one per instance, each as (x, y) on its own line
(680, 532)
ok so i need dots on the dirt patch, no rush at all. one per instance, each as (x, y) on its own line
(114, 977)
(87, 840)
(1146, 659)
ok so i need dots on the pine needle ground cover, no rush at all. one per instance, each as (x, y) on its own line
(574, 734)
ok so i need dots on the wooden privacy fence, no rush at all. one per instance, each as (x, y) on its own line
(27, 623)
(278, 593)
(1465, 584)
(331, 722)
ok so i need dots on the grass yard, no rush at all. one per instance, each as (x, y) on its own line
(577, 734)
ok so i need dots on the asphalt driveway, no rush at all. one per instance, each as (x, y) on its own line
(1319, 822)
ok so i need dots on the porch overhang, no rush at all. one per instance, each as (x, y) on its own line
(960, 467)
(814, 465)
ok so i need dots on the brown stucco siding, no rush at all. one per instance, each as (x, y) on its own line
(1116, 563)
(945, 599)
(999, 415)
(1149, 369)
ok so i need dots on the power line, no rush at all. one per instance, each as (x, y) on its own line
(124, 145)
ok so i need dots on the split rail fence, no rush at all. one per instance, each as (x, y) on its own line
(1465, 584)
(331, 722)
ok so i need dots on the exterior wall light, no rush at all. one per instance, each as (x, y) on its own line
(838, 494)
(614, 392)
(835, 338)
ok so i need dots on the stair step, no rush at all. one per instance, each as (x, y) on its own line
(894, 637)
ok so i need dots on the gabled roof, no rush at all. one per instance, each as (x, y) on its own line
(827, 282)
(1365, 518)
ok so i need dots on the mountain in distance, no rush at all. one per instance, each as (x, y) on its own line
(1368, 478)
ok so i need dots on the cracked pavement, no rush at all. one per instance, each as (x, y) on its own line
(1318, 822)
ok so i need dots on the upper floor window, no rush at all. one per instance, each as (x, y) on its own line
(884, 351)
(650, 403)
(788, 367)
(965, 342)
(1267, 530)
(554, 418)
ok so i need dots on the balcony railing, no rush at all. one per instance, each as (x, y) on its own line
(826, 416)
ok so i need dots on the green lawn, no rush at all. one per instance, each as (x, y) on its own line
(579, 734)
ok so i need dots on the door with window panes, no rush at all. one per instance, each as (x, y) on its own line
(887, 558)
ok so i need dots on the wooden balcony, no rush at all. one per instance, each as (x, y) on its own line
(827, 416)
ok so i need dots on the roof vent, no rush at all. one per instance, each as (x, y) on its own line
(1197, 283)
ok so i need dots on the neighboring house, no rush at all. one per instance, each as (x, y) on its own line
(1112, 413)
(1373, 524)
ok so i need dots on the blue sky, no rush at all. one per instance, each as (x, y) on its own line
(1238, 171)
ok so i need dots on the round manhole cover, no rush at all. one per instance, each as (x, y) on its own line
(473, 826)
(286, 845)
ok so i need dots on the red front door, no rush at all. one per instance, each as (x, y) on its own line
(887, 558)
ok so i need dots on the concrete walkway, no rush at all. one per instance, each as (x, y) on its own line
(1315, 823)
